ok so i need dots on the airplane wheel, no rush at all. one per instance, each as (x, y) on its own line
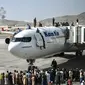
(27, 60)
(61, 54)
(79, 53)
(30, 61)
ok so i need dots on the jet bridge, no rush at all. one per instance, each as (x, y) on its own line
(77, 38)
(74, 38)
(77, 34)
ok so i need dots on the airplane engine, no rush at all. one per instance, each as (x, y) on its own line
(7, 40)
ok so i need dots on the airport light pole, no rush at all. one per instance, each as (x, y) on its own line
(2, 14)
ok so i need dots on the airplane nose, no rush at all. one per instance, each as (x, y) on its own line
(13, 47)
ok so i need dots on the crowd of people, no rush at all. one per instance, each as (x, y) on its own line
(34, 76)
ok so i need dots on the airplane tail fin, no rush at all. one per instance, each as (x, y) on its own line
(3, 29)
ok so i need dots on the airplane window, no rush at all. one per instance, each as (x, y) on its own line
(24, 39)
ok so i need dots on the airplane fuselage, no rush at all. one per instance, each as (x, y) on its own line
(37, 42)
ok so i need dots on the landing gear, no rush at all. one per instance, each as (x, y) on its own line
(79, 53)
(30, 61)
(30, 66)
(61, 54)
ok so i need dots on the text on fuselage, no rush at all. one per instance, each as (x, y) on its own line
(48, 34)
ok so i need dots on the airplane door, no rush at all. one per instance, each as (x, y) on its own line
(40, 42)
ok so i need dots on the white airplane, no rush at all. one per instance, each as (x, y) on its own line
(41, 42)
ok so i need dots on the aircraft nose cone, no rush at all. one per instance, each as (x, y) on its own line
(13, 47)
(10, 48)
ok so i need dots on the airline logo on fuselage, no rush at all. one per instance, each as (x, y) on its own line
(48, 34)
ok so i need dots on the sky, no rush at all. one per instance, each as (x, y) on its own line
(27, 10)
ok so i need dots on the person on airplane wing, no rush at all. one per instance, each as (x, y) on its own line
(28, 27)
(17, 31)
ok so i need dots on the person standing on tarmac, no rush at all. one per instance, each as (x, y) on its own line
(54, 64)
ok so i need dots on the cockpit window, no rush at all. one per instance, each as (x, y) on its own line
(23, 39)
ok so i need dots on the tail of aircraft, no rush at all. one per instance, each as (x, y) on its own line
(3, 29)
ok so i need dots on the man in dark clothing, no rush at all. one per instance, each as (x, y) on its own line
(77, 74)
(10, 82)
(35, 22)
(52, 75)
(44, 79)
(3, 81)
(54, 64)
(57, 78)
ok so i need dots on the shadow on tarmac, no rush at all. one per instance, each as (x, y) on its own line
(73, 62)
